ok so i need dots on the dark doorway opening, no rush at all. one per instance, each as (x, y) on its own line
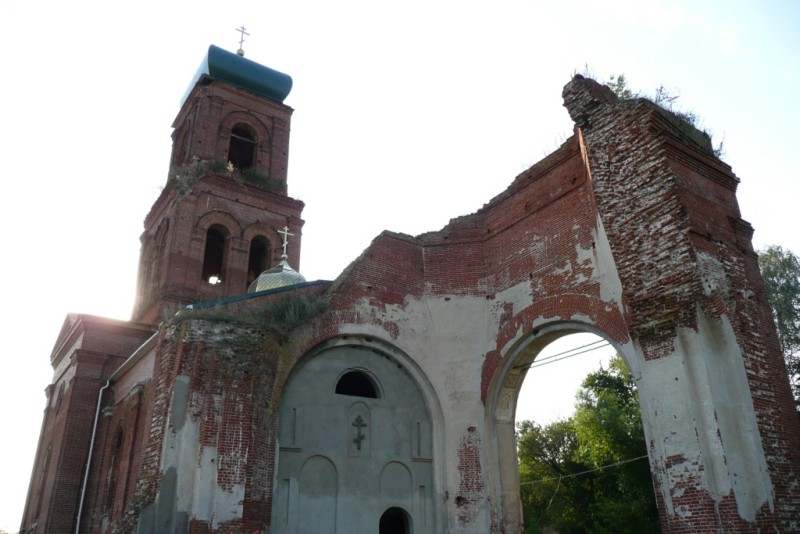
(394, 521)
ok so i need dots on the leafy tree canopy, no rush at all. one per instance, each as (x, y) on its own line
(589, 473)
(781, 272)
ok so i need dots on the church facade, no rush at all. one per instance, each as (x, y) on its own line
(242, 398)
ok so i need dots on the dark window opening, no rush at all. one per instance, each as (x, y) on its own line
(394, 521)
(242, 150)
(357, 384)
(214, 258)
(260, 252)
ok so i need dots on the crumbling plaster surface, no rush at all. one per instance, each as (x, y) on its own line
(446, 337)
(702, 426)
(690, 288)
(449, 336)
(197, 494)
(697, 410)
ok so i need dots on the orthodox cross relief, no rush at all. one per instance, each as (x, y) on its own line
(359, 423)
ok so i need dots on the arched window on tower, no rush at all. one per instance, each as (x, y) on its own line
(215, 254)
(242, 149)
(260, 254)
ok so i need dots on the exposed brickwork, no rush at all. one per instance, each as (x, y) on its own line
(196, 198)
(606, 318)
(679, 243)
(231, 371)
(631, 228)
(470, 499)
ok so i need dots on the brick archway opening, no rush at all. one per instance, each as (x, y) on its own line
(580, 440)
(504, 395)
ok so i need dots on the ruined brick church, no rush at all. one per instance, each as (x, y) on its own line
(242, 398)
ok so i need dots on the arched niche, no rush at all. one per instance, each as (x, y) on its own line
(361, 434)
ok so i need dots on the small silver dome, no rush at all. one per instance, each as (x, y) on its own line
(279, 276)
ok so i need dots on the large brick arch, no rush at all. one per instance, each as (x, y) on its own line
(518, 343)
(505, 381)
(569, 312)
(631, 230)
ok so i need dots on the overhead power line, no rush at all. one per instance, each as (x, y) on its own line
(572, 475)
(589, 347)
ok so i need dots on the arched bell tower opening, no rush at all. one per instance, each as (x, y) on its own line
(259, 257)
(215, 256)
(242, 148)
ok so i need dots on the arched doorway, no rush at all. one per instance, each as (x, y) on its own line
(394, 521)
(502, 401)
(354, 418)
(583, 459)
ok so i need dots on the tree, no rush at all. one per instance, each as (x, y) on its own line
(589, 473)
(619, 84)
(781, 272)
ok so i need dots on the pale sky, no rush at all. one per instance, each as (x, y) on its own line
(407, 114)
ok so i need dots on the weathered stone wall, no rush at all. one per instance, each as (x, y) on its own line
(458, 300)
(209, 460)
(697, 310)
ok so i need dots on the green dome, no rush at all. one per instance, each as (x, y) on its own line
(229, 67)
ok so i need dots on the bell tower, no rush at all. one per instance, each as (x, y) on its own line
(215, 226)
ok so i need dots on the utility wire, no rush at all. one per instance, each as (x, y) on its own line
(564, 355)
(602, 342)
(582, 472)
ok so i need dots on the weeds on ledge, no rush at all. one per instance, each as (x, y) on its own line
(282, 316)
(185, 176)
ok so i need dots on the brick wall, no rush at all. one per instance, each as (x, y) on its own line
(680, 245)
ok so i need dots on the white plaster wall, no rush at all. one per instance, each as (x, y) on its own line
(701, 423)
(448, 336)
(697, 411)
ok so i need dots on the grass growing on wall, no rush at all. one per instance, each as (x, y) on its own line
(282, 316)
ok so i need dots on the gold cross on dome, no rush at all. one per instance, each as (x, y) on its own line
(241, 40)
(285, 233)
